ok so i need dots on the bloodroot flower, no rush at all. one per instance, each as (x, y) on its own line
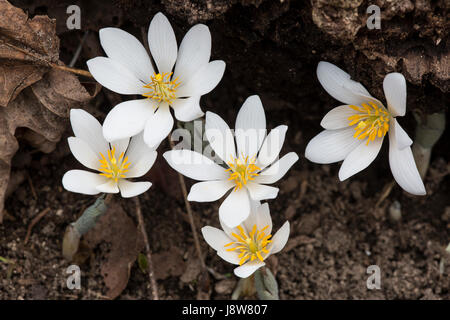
(128, 69)
(248, 169)
(355, 131)
(250, 243)
(115, 162)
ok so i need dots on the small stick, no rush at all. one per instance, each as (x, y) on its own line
(385, 193)
(78, 51)
(72, 70)
(190, 215)
(44, 61)
(30, 182)
(33, 223)
(151, 273)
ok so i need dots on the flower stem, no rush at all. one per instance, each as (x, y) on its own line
(266, 285)
(84, 223)
(151, 273)
(244, 288)
(428, 131)
(189, 212)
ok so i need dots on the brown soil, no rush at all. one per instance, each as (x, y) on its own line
(337, 229)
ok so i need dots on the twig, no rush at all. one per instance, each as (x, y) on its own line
(30, 182)
(45, 62)
(385, 193)
(190, 215)
(33, 223)
(78, 51)
(151, 273)
(72, 70)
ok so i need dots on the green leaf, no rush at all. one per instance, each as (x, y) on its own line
(142, 262)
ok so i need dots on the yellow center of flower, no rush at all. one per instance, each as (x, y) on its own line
(162, 88)
(371, 121)
(251, 246)
(242, 170)
(113, 168)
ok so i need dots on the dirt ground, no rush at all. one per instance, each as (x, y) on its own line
(338, 229)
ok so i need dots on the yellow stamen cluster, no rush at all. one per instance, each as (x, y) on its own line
(251, 246)
(162, 88)
(113, 168)
(372, 121)
(242, 170)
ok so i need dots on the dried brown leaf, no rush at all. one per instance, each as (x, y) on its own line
(117, 229)
(41, 110)
(33, 96)
(25, 44)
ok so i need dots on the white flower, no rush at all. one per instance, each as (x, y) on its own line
(247, 170)
(115, 162)
(129, 70)
(355, 131)
(250, 243)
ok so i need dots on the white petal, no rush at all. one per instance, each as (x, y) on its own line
(280, 238)
(403, 166)
(114, 76)
(403, 140)
(360, 158)
(195, 165)
(271, 146)
(229, 256)
(108, 187)
(195, 51)
(162, 43)
(337, 118)
(205, 79)
(277, 170)
(207, 191)
(250, 128)
(220, 137)
(263, 218)
(216, 238)
(81, 181)
(124, 48)
(187, 109)
(142, 165)
(130, 189)
(261, 192)
(158, 126)
(331, 145)
(235, 209)
(338, 84)
(247, 269)
(138, 149)
(87, 128)
(394, 86)
(83, 152)
(127, 119)
(120, 146)
(259, 216)
(229, 231)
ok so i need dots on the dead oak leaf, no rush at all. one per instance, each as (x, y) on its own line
(41, 111)
(124, 241)
(34, 97)
(26, 46)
